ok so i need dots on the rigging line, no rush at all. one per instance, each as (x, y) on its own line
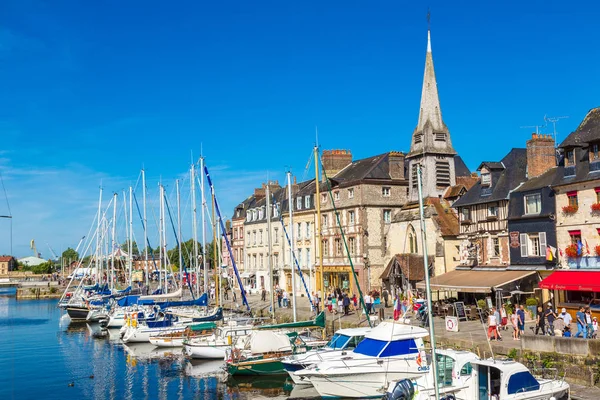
(337, 215)
(5, 194)
(310, 158)
(218, 210)
(151, 252)
(294, 254)
(177, 247)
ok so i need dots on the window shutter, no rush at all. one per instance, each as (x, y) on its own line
(542, 244)
(524, 244)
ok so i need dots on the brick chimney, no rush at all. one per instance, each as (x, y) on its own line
(260, 193)
(396, 163)
(541, 155)
(334, 161)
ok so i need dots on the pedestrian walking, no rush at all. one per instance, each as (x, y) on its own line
(263, 294)
(581, 325)
(368, 302)
(397, 308)
(550, 318)
(492, 325)
(346, 303)
(279, 297)
(514, 319)
(588, 320)
(386, 296)
(284, 298)
(521, 314)
(540, 324)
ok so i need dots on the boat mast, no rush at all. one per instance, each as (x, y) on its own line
(130, 233)
(165, 252)
(181, 270)
(99, 239)
(204, 255)
(220, 261)
(291, 229)
(321, 287)
(161, 244)
(145, 229)
(427, 287)
(215, 255)
(270, 249)
(194, 227)
(114, 244)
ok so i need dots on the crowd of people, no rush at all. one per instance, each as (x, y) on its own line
(547, 322)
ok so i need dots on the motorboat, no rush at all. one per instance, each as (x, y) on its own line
(175, 339)
(462, 376)
(343, 340)
(390, 352)
(215, 346)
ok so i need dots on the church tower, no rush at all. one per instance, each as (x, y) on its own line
(431, 145)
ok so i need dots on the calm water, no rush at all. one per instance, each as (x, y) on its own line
(43, 355)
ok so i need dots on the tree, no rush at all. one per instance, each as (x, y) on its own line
(70, 255)
(187, 248)
(125, 247)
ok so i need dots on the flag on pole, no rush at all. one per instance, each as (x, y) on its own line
(579, 247)
(587, 248)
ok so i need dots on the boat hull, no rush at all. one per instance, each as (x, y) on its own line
(208, 352)
(293, 367)
(257, 367)
(366, 385)
(78, 313)
(142, 335)
(167, 342)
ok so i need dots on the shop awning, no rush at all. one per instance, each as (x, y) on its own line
(473, 281)
(581, 281)
(247, 275)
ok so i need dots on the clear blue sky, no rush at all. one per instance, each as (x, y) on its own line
(92, 91)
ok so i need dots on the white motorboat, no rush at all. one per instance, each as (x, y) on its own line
(175, 339)
(465, 377)
(343, 341)
(390, 352)
(215, 346)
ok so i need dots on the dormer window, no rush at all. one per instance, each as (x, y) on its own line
(298, 203)
(486, 179)
(261, 213)
(569, 157)
(306, 201)
(276, 211)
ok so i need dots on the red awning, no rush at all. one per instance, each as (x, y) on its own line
(582, 281)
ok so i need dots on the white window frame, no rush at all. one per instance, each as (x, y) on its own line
(336, 195)
(491, 207)
(306, 201)
(323, 198)
(527, 243)
(351, 193)
(386, 191)
(299, 203)
(276, 234)
(308, 232)
(539, 196)
(351, 218)
(325, 221)
(486, 179)
(387, 213)
(299, 231)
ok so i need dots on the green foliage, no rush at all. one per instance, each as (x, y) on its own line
(70, 255)
(187, 248)
(509, 308)
(531, 301)
(512, 354)
(481, 304)
(53, 289)
(44, 268)
(125, 247)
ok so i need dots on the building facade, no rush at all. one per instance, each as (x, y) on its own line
(7, 264)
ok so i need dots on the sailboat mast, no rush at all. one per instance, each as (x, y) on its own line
(220, 261)
(204, 254)
(215, 255)
(428, 288)
(146, 271)
(179, 233)
(114, 244)
(99, 239)
(270, 249)
(165, 261)
(195, 227)
(321, 287)
(291, 229)
(130, 233)
(160, 252)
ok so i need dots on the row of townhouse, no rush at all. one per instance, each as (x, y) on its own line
(530, 225)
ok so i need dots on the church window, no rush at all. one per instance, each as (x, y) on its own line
(418, 138)
(440, 137)
(414, 176)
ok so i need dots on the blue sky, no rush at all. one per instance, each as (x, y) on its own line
(91, 91)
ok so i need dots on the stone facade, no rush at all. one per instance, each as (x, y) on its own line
(7, 264)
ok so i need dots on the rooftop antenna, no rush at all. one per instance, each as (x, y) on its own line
(554, 120)
(537, 128)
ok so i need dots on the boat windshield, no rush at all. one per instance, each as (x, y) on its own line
(338, 341)
(522, 382)
(381, 348)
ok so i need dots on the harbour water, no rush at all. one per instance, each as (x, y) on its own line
(45, 356)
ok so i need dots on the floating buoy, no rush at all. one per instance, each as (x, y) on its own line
(71, 384)
(91, 376)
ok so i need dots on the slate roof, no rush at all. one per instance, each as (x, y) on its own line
(376, 167)
(587, 131)
(410, 264)
(440, 212)
(503, 181)
(491, 165)
(460, 168)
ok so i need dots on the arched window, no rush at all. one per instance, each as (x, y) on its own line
(412, 240)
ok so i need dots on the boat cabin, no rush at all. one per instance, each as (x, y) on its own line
(346, 339)
(392, 339)
(454, 366)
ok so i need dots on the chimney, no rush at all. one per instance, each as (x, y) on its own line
(228, 226)
(334, 161)
(260, 193)
(396, 164)
(541, 155)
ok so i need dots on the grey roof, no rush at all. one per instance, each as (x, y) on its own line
(503, 181)
(587, 131)
(376, 167)
(460, 168)
(491, 165)
(548, 178)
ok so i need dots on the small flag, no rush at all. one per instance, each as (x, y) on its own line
(549, 254)
(560, 252)
(553, 251)
(579, 247)
(587, 248)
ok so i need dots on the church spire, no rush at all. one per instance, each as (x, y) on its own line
(430, 101)
(431, 134)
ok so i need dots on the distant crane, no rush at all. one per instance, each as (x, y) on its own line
(35, 252)
(52, 251)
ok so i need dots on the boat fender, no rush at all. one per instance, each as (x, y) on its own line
(404, 390)
(229, 340)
